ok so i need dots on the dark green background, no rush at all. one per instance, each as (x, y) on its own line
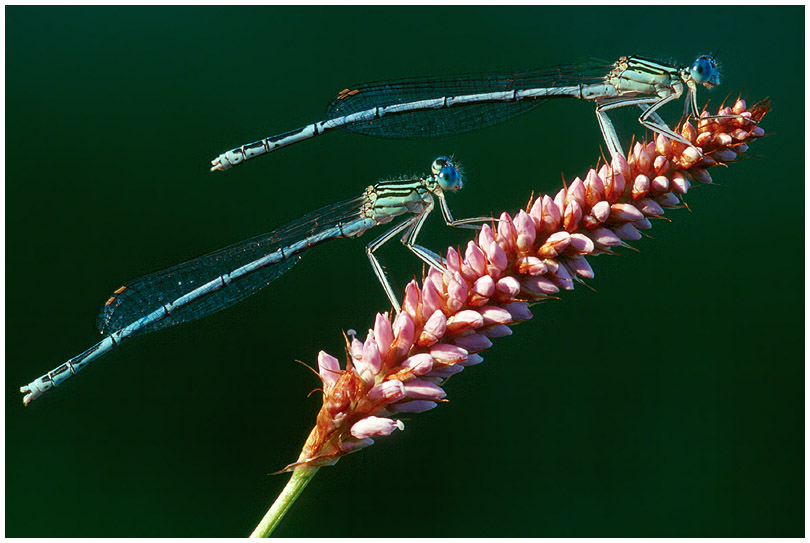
(667, 403)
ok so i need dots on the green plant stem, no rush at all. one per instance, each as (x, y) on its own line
(299, 480)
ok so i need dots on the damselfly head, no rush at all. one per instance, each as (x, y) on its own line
(447, 174)
(704, 71)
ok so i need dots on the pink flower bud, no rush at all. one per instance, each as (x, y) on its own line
(508, 286)
(572, 216)
(499, 330)
(453, 260)
(723, 140)
(484, 286)
(620, 167)
(457, 290)
(660, 184)
(663, 145)
(575, 192)
(648, 206)
(689, 157)
(375, 426)
(462, 321)
(419, 364)
(436, 277)
(371, 354)
(355, 347)
(559, 200)
(383, 333)
(580, 266)
(688, 132)
(474, 359)
(536, 214)
(328, 369)
(497, 258)
(641, 186)
(680, 184)
(413, 406)
(738, 134)
(419, 389)
(476, 258)
(628, 232)
(725, 155)
(580, 243)
(431, 298)
(661, 165)
(434, 329)
(403, 336)
(526, 232)
(669, 200)
(605, 237)
(519, 311)
(622, 212)
(604, 172)
(562, 278)
(552, 215)
(444, 353)
(530, 265)
(701, 176)
(473, 343)
(485, 236)
(492, 314)
(643, 160)
(506, 232)
(445, 372)
(554, 245)
(467, 273)
(411, 301)
(540, 286)
(704, 138)
(351, 444)
(594, 189)
(601, 211)
(387, 392)
(616, 187)
(706, 162)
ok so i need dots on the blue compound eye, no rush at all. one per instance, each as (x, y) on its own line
(704, 71)
(448, 176)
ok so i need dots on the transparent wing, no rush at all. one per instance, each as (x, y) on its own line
(456, 119)
(143, 295)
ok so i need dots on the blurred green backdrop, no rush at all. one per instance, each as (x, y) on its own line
(667, 403)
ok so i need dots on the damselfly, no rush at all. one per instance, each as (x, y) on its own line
(431, 107)
(215, 281)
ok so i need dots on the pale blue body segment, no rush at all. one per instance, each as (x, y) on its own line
(212, 282)
(438, 106)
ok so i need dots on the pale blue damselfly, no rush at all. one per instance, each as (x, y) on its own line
(439, 106)
(217, 280)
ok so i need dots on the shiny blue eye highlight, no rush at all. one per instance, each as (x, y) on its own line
(704, 71)
(449, 178)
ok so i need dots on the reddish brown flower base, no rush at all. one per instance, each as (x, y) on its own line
(400, 367)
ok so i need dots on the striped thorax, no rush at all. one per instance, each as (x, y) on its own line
(636, 75)
(388, 199)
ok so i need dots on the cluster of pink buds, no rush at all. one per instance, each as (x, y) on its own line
(453, 316)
